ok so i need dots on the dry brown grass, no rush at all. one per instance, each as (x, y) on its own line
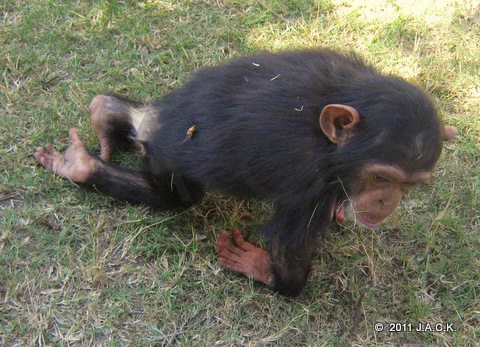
(83, 270)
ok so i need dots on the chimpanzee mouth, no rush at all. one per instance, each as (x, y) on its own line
(362, 220)
(346, 212)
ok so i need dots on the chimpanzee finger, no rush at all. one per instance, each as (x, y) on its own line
(240, 241)
(226, 249)
(74, 136)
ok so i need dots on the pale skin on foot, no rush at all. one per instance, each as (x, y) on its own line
(76, 164)
(243, 257)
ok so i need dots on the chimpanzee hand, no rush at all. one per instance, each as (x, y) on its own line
(240, 256)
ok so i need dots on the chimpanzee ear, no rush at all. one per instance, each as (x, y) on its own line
(336, 118)
(449, 133)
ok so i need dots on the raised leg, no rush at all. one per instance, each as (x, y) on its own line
(161, 190)
(116, 121)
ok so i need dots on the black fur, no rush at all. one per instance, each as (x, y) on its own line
(258, 136)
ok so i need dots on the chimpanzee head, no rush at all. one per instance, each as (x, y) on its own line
(388, 140)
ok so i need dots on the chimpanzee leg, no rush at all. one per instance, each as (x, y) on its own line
(118, 120)
(161, 190)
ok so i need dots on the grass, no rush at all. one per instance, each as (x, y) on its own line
(81, 269)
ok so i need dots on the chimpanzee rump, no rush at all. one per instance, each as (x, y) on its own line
(312, 130)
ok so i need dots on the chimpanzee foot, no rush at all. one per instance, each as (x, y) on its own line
(240, 256)
(76, 164)
(100, 113)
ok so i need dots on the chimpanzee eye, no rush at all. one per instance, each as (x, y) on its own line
(380, 179)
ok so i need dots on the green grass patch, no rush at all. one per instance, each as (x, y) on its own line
(81, 269)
